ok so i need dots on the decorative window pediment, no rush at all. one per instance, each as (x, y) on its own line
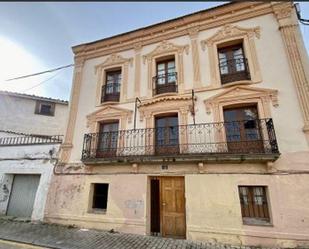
(165, 104)
(107, 113)
(114, 59)
(166, 47)
(238, 94)
(229, 31)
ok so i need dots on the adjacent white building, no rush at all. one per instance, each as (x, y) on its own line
(32, 114)
(31, 130)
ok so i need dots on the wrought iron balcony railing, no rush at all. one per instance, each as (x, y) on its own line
(234, 70)
(30, 140)
(110, 92)
(226, 138)
(165, 83)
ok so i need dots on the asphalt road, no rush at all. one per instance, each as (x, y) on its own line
(4, 244)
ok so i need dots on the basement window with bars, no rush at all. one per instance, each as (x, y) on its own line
(254, 205)
(100, 196)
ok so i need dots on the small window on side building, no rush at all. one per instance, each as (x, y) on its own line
(100, 196)
(254, 205)
(45, 108)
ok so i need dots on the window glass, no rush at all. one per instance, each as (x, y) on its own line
(166, 72)
(161, 73)
(171, 65)
(113, 81)
(171, 72)
(108, 136)
(223, 63)
(167, 131)
(45, 109)
(239, 59)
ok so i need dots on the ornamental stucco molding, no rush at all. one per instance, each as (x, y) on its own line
(193, 31)
(66, 147)
(238, 94)
(137, 69)
(165, 104)
(165, 99)
(165, 47)
(174, 28)
(107, 113)
(297, 56)
(283, 10)
(114, 59)
(230, 31)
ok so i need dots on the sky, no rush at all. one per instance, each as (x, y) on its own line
(38, 36)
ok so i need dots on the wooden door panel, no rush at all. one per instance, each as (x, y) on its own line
(169, 226)
(173, 207)
(169, 201)
(179, 203)
(180, 225)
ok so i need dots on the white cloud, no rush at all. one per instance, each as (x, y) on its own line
(17, 61)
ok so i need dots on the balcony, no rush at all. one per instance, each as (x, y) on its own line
(251, 140)
(110, 92)
(30, 140)
(165, 83)
(234, 70)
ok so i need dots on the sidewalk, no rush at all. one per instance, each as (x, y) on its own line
(62, 237)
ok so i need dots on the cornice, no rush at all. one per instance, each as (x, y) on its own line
(175, 28)
(165, 99)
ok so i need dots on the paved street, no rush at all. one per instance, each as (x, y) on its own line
(61, 237)
(43, 236)
(4, 244)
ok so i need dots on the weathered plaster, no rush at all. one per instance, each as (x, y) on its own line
(213, 211)
(29, 159)
(26, 121)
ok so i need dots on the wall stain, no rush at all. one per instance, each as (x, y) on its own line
(4, 193)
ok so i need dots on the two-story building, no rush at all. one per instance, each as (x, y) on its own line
(31, 131)
(196, 127)
(31, 114)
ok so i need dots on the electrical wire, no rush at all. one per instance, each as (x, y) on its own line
(43, 72)
(41, 82)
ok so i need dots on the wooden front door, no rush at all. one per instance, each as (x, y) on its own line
(243, 130)
(173, 217)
